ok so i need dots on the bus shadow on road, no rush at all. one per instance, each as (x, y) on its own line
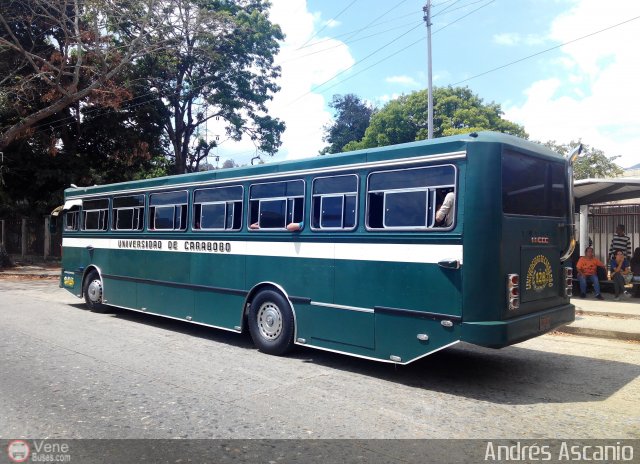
(183, 327)
(512, 375)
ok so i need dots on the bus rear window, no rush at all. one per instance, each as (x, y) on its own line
(533, 186)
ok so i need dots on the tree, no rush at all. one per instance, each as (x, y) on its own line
(218, 68)
(591, 164)
(59, 53)
(95, 145)
(351, 121)
(228, 164)
(456, 110)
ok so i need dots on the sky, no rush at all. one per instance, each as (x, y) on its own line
(564, 69)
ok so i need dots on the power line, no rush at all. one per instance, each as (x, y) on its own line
(454, 3)
(547, 50)
(53, 125)
(377, 18)
(340, 44)
(327, 24)
(456, 9)
(403, 49)
(328, 39)
(356, 63)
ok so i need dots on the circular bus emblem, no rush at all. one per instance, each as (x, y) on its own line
(18, 451)
(539, 274)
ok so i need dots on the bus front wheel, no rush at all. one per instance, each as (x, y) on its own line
(271, 323)
(93, 293)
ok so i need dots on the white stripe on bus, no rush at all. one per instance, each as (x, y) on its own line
(386, 252)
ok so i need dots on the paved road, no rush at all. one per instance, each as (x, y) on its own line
(68, 373)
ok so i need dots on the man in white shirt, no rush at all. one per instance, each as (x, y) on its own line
(444, 216)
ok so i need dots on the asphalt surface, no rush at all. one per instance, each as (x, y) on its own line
(70, 373)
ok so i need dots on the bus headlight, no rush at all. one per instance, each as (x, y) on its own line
(513, 291)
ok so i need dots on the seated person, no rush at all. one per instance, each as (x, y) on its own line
(587, 267)
(619, 270)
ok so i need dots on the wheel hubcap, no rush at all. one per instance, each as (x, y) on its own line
(269, 321)
(94, 291)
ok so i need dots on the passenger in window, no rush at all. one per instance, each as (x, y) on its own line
(587, 268)
(619, 271)
(295, 226)
(444, 216)
(254, 226)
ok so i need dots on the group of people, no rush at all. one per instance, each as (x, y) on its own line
(622, 269)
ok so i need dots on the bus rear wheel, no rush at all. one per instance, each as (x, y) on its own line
(271, 323)
(92, 291)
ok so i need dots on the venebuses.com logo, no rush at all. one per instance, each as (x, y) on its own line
(38, 451)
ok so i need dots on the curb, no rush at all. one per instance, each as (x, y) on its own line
(37, 275)
(584, 312)
(599, 333)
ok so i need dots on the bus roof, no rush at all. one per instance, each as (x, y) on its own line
(434, 147)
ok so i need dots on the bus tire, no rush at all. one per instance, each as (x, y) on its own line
(271, 323)
(92, 291)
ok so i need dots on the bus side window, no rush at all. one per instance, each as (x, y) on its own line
(276, 205)
(95, 215)
(71, 219)
(403, 199)
(334, 202)
(128, 213)
(168, 211)
(218, 208)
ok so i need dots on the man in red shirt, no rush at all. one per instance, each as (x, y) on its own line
(587, 267)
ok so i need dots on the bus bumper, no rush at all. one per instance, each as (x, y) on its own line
(498, 334)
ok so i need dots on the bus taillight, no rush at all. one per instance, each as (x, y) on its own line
(513, 291)
(568, 282)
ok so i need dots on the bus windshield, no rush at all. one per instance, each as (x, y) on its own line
(533, 186)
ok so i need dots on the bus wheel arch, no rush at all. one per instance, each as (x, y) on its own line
(93, 290)
(271, 319)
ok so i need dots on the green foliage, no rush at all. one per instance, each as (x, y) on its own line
(456, 110)
(217, 66)
(591, 164)
(352, 119)
(205, 59)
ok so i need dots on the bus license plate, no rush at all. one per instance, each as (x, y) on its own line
(545, 323)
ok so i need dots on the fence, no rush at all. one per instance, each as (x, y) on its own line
(603, 220)
(28, 237)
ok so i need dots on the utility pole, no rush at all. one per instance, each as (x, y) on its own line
(427, 19)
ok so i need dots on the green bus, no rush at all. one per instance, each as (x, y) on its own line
(345, 253)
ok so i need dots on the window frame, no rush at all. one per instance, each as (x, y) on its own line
(141, 213)
(152, 224)
(226, 209)
(344, 195)
(103, 216)
(427, 193)
(75, 212)
(288, 213)
(431, 191)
